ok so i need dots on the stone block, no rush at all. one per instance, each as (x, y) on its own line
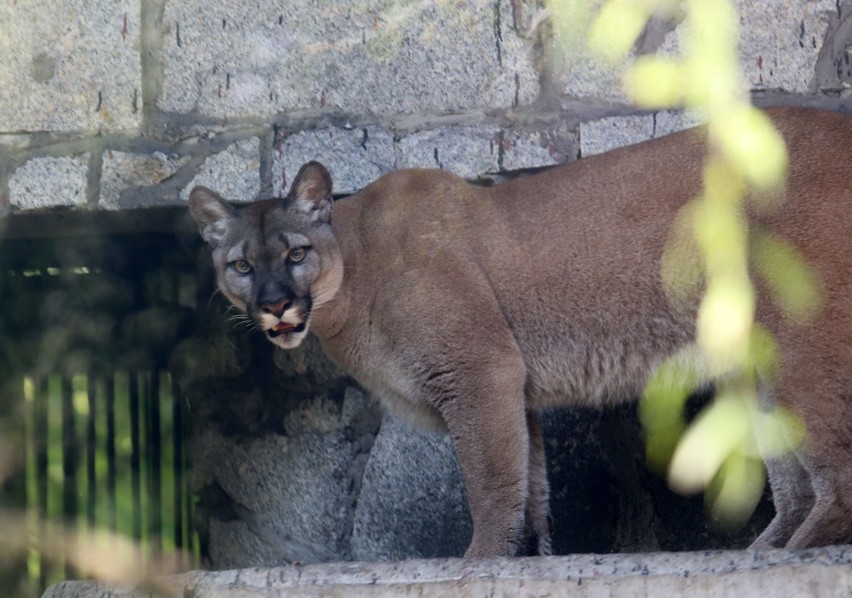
(233, 173)
(604, 134)
(412, 502)
(123, 171)
(70, 65)
(49, 182)
(823, 572)
(257, 59)
(779, 46)
(534, 149)
(467, 151)
(780, 41)
(354, 157)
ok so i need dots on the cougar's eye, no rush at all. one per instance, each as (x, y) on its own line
(241, 266)
(297, 254)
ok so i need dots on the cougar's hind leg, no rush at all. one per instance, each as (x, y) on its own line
(793, 498)
(830, 519)
(827, 457)
(538, 520)
(815, 388)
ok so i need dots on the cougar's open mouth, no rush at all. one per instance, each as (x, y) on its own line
(285, 327)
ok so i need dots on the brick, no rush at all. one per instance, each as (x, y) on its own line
(602, 135)
(256, 59)
(605, 134)
(70, 65)
(525, 149)
(354, 157)
(123, 171)
(467, 151)
(233, 173)
(49, 182)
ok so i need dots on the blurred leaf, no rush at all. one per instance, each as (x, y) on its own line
(655, 82)
(617, 27)
(725, 322)
(662, 404)
(570, 21)
(777, 432)
(795, 287)
(736, 489)
(680, 264)
(710, 439)
(753, 146)
(762, 354)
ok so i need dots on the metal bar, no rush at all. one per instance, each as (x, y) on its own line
(110, 450)
(177, 463)
(191, 536)
(40, 434)
(69, 474)
(91, 448)
(155, 520)
(135, 473)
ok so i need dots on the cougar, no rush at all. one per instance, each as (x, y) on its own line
(469, 308)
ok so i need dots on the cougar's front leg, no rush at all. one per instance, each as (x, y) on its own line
(485, 416)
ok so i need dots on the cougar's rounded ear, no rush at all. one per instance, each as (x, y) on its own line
(211, 213)
(311, 192)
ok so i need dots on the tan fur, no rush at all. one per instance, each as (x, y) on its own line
(470, 308)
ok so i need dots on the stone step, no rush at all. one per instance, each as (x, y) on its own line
(823, 573)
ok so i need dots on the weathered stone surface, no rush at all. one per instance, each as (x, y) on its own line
(833, 70)
(779, 46)
(14, 142)
(289, 494)
(602, 135)
(70, 65)
(467, 151)
(524, 149)
(412, 502)
(49, 182)
(257, 59)
(824, 572)
(354, 157)
(233, 173)
(123, 171)
(781, 41)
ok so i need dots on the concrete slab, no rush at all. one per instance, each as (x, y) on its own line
(824, 572)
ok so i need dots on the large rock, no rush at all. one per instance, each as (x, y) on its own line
(412, 502)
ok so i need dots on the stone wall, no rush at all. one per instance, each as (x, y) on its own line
(127, 104)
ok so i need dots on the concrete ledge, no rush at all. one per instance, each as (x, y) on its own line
(824, 572)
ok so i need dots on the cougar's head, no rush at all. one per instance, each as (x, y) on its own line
(277, 260)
